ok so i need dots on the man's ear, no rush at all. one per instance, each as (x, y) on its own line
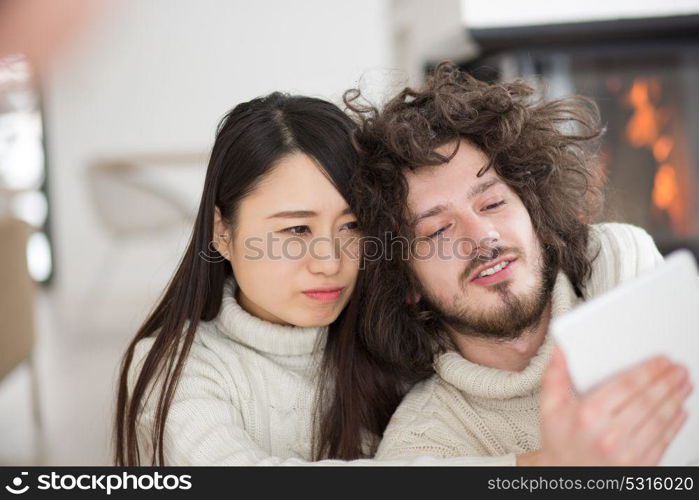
(221, 235)
(413, 298)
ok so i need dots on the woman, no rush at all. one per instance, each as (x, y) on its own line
(242, 348)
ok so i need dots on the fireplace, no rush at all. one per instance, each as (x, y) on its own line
(644, 75)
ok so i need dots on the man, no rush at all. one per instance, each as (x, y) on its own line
(497, 194)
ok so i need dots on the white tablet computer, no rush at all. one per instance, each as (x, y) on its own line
(655, 313)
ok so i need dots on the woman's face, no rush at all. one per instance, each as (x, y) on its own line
(294, 246)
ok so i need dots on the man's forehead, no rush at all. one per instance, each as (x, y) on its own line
(449, 148)
(464, 165)
(433, 186)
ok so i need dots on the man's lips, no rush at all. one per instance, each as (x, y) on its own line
(490, 264)
(324, 294)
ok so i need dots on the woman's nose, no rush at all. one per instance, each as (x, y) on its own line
(324, 257)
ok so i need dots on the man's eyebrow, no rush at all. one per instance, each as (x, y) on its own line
(483, 186)
(435, 210)
(475, 191)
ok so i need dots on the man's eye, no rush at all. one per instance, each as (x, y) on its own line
(297, 230)
(439, 231)
(493, 206)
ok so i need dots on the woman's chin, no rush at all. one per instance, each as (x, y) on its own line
(313, 319)
(315, 322)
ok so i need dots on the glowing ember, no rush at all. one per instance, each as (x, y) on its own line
(664, 187)
(662, 148)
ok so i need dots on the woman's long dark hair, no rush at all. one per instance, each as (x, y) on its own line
(250, 139)
(358, 391)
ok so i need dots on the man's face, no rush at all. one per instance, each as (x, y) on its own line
(464, 225)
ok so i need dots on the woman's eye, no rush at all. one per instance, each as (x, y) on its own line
(351, 226)
(297, 230)
(493, 206)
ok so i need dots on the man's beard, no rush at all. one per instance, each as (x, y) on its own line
(508, 320)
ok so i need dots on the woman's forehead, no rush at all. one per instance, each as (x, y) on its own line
(296, 183)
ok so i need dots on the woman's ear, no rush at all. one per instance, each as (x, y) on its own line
(221, 239)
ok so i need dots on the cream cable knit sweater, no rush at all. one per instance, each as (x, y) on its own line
(246, 397)
(470, 409)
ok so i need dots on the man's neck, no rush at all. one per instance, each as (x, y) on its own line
(511, 355)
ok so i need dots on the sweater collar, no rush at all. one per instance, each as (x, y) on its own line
(260, 335)
(494, 383)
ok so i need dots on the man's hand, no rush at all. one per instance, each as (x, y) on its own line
(629, 420)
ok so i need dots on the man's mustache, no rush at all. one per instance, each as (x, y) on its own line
(491, 254)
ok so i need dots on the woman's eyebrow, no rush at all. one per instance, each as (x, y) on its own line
(300, 214)
(293, 214)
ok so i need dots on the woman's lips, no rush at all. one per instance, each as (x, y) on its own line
(324, 295)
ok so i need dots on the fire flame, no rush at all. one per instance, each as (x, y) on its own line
(644, 127)
(645, 130)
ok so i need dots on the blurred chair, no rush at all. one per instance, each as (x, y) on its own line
(17, 296)
(134, 200)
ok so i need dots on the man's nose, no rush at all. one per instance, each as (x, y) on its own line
(481, 236)
(480, 230)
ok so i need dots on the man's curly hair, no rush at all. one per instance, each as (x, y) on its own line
(545, 151)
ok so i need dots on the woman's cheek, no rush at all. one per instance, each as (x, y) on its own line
(350, 251)
(292, 249)
(253, 249)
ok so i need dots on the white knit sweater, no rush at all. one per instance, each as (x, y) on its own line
(246, 397)
(470, 409)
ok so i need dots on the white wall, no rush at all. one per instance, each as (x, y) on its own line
(483, 14)
(428, 32)
(154, 76)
